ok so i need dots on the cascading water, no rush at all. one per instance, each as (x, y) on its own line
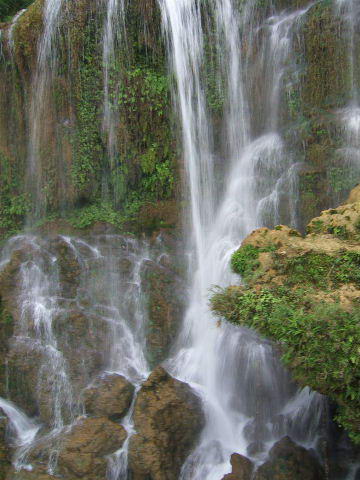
(111, 302)
(39, 96)
(249, 399)
(349, 10)
(113, 34)
(12, 28)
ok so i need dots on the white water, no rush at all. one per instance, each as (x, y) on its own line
(112, 300)
(249, 399)
(113, 33)
(23, 428)
(349, 10)
(39, 96)
(12, 29)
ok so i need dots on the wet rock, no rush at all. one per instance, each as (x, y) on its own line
(254, 448)
(165, 292)
(168, 418)
(29, 475)
(289, 460)
(5, 457)
(85, 447)
(84, 341)
(69, 267)
(242, 468)
(109, 396)
(23, 367)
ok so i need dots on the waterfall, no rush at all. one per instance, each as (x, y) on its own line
(12, 29)
(39, 96)
(112, 36)
(249, 398)
(102, 310)
(349, 10)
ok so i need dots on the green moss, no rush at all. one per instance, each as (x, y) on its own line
(9, 8)
(245, 260)
(13, 204)
(320, 342)
(88, 156)
(320, 270)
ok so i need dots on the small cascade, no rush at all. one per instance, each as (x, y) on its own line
(250, 401)
(23, 428)
(114, 32)
(12, 29)
(39, 98)
(349, 11)
(89, 292)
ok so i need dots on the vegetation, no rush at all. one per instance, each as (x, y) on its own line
(320, 341)
(304, 294)
(8, 8)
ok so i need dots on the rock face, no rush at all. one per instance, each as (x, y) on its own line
(168, 418)
(4, 450)
(242, 468)
(109, 396)
(165, 291)
(85, 447)
(290, 461)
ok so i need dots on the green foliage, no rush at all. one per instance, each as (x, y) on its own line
(87, 216)
(320, 342)
(89, 153)
(8, 8)
(153, 89)
(245, 260)
(13, 205)
(321, 270)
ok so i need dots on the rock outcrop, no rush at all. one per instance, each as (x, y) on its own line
(5, 457)
(290, 461)
(84, 449)
(303, 292)
(109, 396)
(168, 418)
(242, 468)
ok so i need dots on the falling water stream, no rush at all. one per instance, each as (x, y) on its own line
(39, 96)
(114, 29)
(249, 399)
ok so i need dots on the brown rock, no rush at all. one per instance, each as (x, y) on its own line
(354, 196)
(242, 468)
(5, 458)
(168, 418)
(165, 293)
(109, 396)
(290, 461)
(84, 448)
(27, 475)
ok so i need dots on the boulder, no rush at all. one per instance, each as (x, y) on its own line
(242, 468)
(168, 418)
(84, 449)
(287, 460)
(109, 396)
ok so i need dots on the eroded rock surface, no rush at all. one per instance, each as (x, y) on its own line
(85, 447)
(109, 396)
(290, 461)
(168, 418)
(242, 468)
